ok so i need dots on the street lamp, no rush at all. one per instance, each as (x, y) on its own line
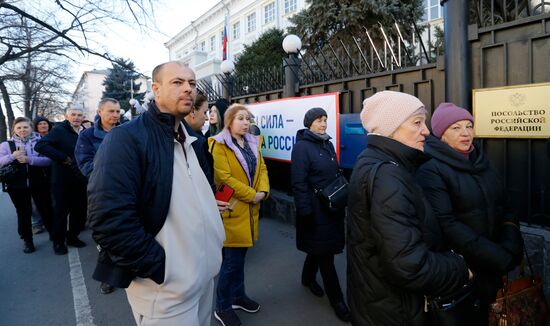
(227, 67)
(292, 45)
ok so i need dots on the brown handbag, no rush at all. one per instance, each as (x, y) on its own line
(520, 302)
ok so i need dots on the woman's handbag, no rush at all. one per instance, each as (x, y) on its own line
(335, 194)
(520, 302)
(9, 171)
(456, 310)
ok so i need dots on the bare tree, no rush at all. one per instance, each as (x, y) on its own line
(82, 19)
(33, 34)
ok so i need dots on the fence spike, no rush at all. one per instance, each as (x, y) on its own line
(349, 56)
(374, 48)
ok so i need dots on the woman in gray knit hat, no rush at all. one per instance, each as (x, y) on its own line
(394, 243)
(319, 229)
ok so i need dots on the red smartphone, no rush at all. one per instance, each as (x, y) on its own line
(224, 192)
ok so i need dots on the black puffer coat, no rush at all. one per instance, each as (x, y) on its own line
(395, 252)
(469, 201)
(319, 230)
(58, 145)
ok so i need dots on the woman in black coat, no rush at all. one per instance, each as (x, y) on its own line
(396, 257)
(319, 230)
(469, 202)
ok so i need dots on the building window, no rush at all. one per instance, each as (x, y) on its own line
(212, 43)
(432, 10)
(269, 13)
(236, 30)
(290, 6)
(251, 22)
(203, 46)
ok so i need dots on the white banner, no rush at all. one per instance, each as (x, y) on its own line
(279, 120)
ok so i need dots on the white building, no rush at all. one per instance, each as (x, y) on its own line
(432, 17)
(200, 44)
(89, 91)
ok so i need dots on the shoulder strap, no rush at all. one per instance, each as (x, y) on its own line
(12, 145)
(372, 175)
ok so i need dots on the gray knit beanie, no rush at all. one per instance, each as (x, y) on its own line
(313, 114)
(385, 111)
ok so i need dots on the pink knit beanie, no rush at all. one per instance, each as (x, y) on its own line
(385, 111)
(445, 115)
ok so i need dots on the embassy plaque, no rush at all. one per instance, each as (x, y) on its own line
(520, 111)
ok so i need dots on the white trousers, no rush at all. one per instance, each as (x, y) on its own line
(198, 315)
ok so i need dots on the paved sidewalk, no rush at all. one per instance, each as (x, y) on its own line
(36, 289)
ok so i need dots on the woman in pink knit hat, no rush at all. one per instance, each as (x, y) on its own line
(395, 254)
(469, 202)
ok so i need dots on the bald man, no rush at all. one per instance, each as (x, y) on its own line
(153, 212)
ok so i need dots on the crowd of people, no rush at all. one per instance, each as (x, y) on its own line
(171, 207)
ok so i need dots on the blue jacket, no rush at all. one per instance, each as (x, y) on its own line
(86, 147)
(129, 196)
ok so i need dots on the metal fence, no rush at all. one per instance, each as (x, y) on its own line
(494, 12)
(365, 54)
(377, 50)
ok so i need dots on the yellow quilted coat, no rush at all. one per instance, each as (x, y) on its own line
(241, 223)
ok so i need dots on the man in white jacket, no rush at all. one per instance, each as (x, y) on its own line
(163, 231)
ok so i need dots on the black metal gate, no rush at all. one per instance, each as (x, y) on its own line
(515, 53)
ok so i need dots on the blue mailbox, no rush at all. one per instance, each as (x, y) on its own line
(353, 139)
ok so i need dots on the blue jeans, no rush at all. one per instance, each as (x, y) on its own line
(231, 279)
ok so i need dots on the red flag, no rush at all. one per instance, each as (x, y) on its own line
(224, 55)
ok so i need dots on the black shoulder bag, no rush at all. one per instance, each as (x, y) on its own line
(335, 194)
(9, 171)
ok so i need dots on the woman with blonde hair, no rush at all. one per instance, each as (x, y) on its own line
(238, 165)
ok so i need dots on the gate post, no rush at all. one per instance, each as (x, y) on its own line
(458, 81)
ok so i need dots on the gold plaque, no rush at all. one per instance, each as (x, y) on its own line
(520, 111)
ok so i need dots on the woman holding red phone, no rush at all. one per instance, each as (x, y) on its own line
(239, 170)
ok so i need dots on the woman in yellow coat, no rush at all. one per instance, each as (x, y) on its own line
(238, 164)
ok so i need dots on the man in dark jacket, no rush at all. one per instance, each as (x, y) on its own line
(108, 111)
(68, 184)
(153, 212)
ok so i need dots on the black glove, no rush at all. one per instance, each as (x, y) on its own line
(512, 242)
